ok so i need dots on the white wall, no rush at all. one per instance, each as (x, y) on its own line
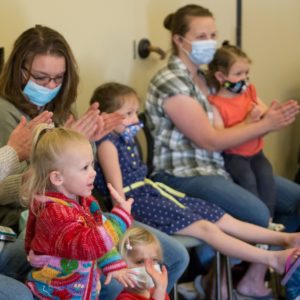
(271, 38)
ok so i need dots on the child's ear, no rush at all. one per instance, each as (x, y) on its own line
(220, 77)
(56, 178)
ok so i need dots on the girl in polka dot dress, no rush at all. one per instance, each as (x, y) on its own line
(170, 211)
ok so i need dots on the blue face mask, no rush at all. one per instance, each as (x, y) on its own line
(38, 94)
(131, 131)
(236, 87)
(202, 51)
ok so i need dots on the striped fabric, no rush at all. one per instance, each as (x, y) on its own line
(9, 163)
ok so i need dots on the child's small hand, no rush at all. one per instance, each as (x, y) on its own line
(122, 202)
(160, 280)
(255, 114)
(123, 276)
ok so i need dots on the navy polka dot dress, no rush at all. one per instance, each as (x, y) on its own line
(150, 206)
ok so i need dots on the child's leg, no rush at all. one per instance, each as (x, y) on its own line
(239, 168)
(256, 234)
(231, 246)
(264, 180)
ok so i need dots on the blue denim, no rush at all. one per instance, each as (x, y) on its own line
(13, 261)
(176, 259)
(11, 289)
(14, 265)
(287, 209)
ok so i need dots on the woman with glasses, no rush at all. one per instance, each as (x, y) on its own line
(41, 74)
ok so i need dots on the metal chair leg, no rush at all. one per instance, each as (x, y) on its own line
(228, 278)
(175, 292)
(218, 276)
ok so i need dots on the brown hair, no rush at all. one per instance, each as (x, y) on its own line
(34, 41)
(110, 96)
(223, 60)
(179, 22)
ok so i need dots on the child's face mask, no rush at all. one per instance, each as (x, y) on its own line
(131, 131)
(143, 279)
(236, 87)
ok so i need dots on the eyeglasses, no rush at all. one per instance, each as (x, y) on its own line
(44, 80)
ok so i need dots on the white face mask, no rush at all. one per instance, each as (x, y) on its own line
(142, 278)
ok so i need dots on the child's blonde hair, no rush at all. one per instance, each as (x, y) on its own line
(137, 236)
(111, 96)
(223, 60)
(49, 145)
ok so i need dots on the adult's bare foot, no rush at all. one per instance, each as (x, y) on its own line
(252, 287)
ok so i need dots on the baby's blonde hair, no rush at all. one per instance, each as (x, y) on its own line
(137, 236)
(49, 146)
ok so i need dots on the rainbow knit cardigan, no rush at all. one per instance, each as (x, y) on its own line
(69, 243)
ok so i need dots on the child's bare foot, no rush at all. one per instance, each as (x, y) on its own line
(280, 257)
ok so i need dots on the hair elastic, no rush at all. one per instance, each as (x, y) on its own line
(46, 128)
(128, 246)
